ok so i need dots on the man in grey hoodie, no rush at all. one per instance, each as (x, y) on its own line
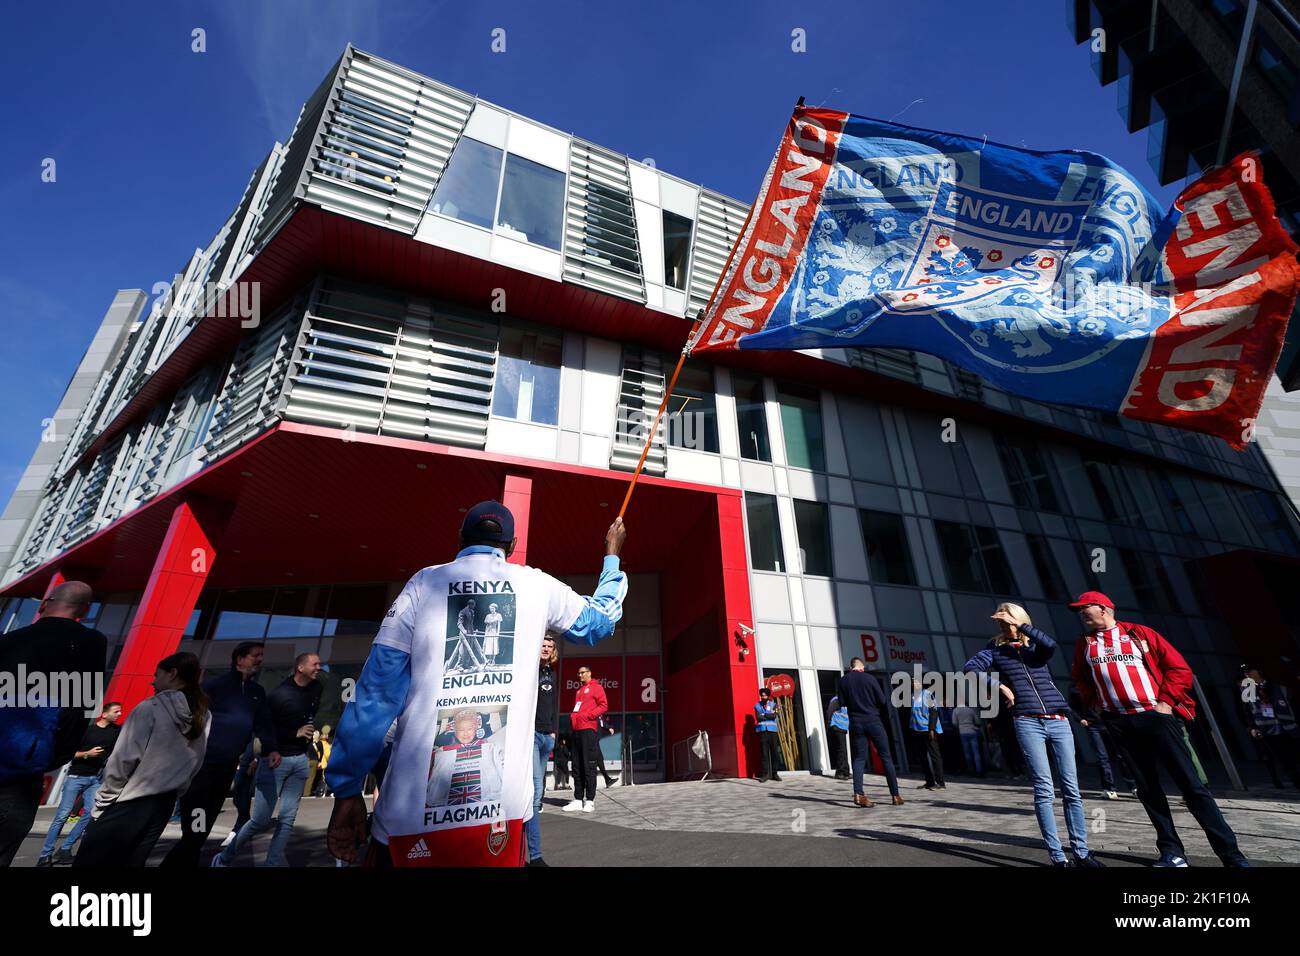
(160, 749)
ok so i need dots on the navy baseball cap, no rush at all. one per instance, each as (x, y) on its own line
(483, 521)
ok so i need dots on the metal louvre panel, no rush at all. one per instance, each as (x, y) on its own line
(378, 363)
(83, 510)
(896, 363)
(967, 384)
(38, 536)
(441, 387)
(640, 394)
(246, 404)
(290, 172)
(718, 222)
(600, 238)
(384, 143)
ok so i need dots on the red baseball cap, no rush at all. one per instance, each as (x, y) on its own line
(1092, 597)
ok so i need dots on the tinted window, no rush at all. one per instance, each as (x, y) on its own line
(801, 424)
(888, 556)
(694, 419)
(528, 377)
(751, 417)
(532, 202)
(764, 532)
(677, 249)
(812, 524)
(468, 188)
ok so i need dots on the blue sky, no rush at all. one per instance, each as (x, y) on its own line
(154, 143)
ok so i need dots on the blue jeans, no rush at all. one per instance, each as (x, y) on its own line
(543, 744)
(284, 785)
(970, 748)
(72, 786)
(1035, 735)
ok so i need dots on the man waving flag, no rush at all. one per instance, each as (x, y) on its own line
(1050, 274)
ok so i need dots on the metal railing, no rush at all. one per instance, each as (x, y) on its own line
(693, 756)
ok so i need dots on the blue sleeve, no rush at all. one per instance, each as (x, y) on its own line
(1044, 644)
(603, 609)
(380, 696)
(980, 663)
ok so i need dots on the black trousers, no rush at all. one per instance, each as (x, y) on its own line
(1151, 740)
(767, 739)
(932, 757)
(200, 807)
(840, 751)
(125, 835)
(585, 751)
(18, 802)
(1282, 749)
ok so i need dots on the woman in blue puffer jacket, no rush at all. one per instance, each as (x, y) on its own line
(1019, 656)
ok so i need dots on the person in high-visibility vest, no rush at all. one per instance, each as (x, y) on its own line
(765, 714)
(837, 718)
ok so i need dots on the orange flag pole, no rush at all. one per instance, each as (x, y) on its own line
(690, 339)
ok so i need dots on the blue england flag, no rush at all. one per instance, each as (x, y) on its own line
(1050, 274)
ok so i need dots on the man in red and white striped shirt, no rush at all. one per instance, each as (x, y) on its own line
(1141, 685)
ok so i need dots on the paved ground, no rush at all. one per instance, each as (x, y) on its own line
(811, 821)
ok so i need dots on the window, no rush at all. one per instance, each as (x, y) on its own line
(764, 532)
(1113, 493)
(677, 249)
(1266, 514)
(531, 195)
(299, 612)
(1146, 573)
(1049, 572)
(356, 610)
(243, 615)
(812, 524)
(1028, 475)
(801, 423)
(532, 202)
(888, 555)
(468, 188)
(751, 417)
(693, 422)
(1176, 505)
(974, 558)
(528, 377)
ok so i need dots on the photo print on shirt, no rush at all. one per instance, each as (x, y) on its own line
(480, 628)
(467, 765)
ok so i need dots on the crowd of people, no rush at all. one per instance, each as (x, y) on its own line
(196, 742)
(1132, 696)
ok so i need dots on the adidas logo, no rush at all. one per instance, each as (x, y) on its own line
(418, 851)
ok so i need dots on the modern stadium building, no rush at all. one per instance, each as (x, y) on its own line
(422, 300)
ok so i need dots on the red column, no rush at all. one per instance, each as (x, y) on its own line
(737, 610)
(518, 497)
(178, 576)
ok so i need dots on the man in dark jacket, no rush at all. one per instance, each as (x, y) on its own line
(240, 711)
(866, 701)
(546, 725)
(37, 739)
(293, 713)
(1270, 717)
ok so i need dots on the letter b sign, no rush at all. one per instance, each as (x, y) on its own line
(869, 652)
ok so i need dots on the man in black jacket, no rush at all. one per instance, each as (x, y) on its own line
(293, 712)
(34, 740)
(240, 711)
(867, 704)
(546, 725)
(1268, 714)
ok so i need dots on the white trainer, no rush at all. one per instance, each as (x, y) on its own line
(571, 806)
(588, 806)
